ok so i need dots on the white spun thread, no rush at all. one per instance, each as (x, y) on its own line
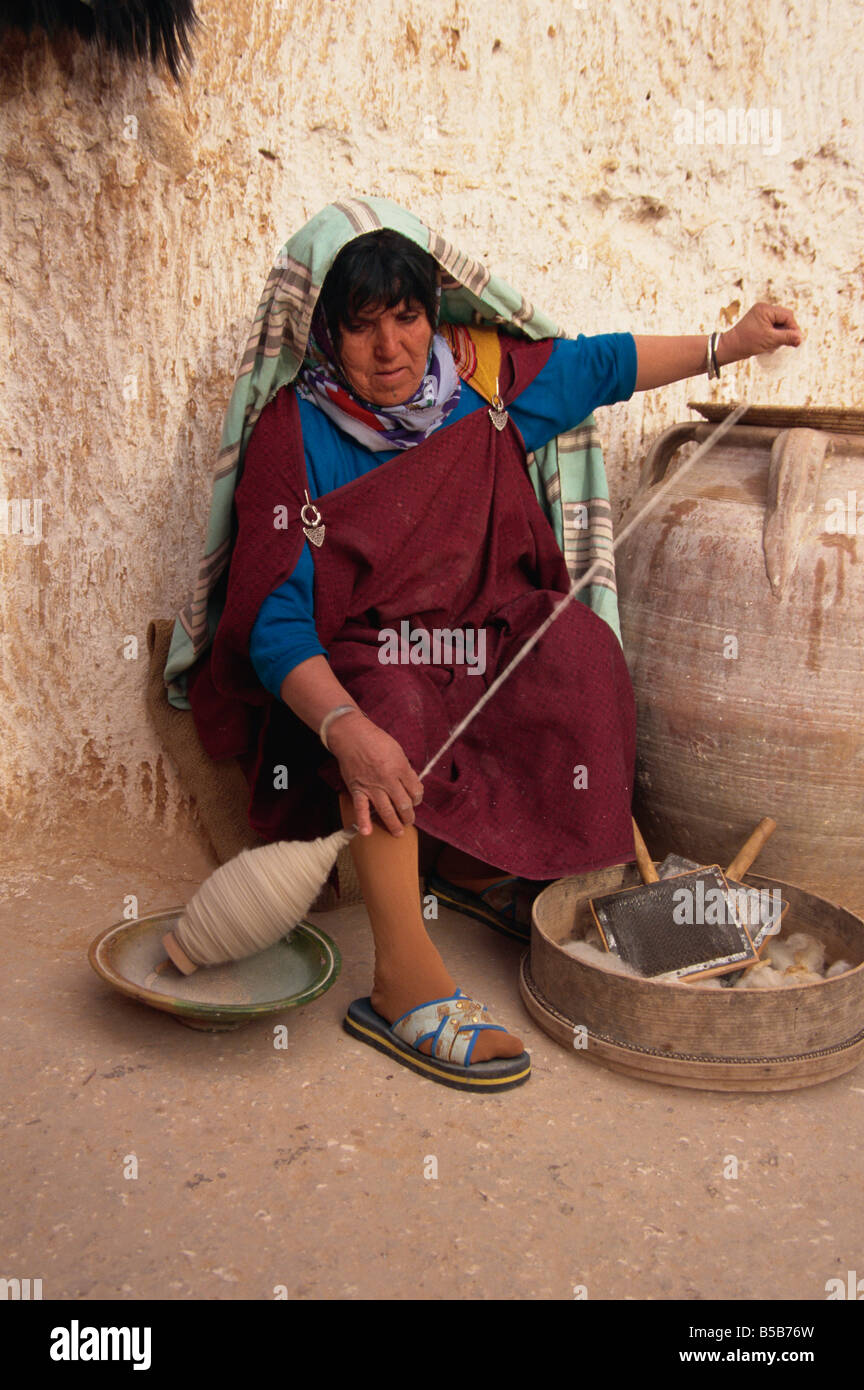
(253, 900)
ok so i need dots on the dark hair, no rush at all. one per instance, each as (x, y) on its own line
(382, 268)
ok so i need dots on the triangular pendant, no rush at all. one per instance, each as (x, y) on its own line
(315, 534)
(497, 414)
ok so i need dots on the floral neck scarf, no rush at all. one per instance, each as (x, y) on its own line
(378, 427)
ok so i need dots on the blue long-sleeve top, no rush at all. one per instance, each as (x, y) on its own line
(581, 374)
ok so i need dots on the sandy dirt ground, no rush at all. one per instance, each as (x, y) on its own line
(324, 1171)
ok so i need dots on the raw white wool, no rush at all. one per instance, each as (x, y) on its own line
(779, 953)
(807, 950)
(761, 976)
(604, 960)
(840, 967)
(798, 959)
(800, 975)
(776, 362)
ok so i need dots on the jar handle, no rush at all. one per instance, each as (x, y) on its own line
(661, 451)
(794, 473)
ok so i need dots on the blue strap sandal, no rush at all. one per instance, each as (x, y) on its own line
(453, 1025)
(504, 906)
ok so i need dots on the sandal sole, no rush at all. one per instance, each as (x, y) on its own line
(485, 1078)
(451, 897)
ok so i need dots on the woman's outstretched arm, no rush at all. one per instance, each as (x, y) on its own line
(763, 328)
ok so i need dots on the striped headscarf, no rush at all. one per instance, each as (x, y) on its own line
(568, 475)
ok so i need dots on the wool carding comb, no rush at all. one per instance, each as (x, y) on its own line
(687, 925)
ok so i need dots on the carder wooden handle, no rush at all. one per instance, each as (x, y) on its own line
(643, 858)
(751, 848)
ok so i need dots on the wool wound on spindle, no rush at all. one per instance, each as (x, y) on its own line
(255, 899)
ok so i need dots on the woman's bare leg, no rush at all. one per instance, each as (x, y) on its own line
(408, 969)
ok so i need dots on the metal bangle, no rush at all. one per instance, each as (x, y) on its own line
(709, 363)
(713, 368)
(328, 720)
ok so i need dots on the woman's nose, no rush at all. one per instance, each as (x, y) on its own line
(386, 339)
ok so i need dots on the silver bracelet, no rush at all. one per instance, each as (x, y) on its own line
(328, 720)
(711, 357)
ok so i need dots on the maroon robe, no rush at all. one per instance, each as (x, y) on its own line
(446, 535)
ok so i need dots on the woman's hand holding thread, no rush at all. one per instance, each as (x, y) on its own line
(376, 772)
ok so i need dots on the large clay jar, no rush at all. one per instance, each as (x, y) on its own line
(742, 613)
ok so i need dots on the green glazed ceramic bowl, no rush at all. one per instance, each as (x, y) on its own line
(216, 998)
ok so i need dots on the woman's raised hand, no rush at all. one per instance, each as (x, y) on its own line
(762, 329)
(376, 772)
(661, 360)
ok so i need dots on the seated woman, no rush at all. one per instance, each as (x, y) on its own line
(382, 493)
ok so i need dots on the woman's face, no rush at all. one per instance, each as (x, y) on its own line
(384, 352)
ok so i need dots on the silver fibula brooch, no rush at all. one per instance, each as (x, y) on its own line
(497, 414)
(312, 527)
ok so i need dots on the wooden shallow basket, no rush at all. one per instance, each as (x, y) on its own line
(684, 1035)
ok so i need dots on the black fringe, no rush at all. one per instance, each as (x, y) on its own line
(151, 29)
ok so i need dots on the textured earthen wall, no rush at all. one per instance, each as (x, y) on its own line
(139, 221)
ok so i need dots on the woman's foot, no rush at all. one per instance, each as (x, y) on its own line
(401, 985)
